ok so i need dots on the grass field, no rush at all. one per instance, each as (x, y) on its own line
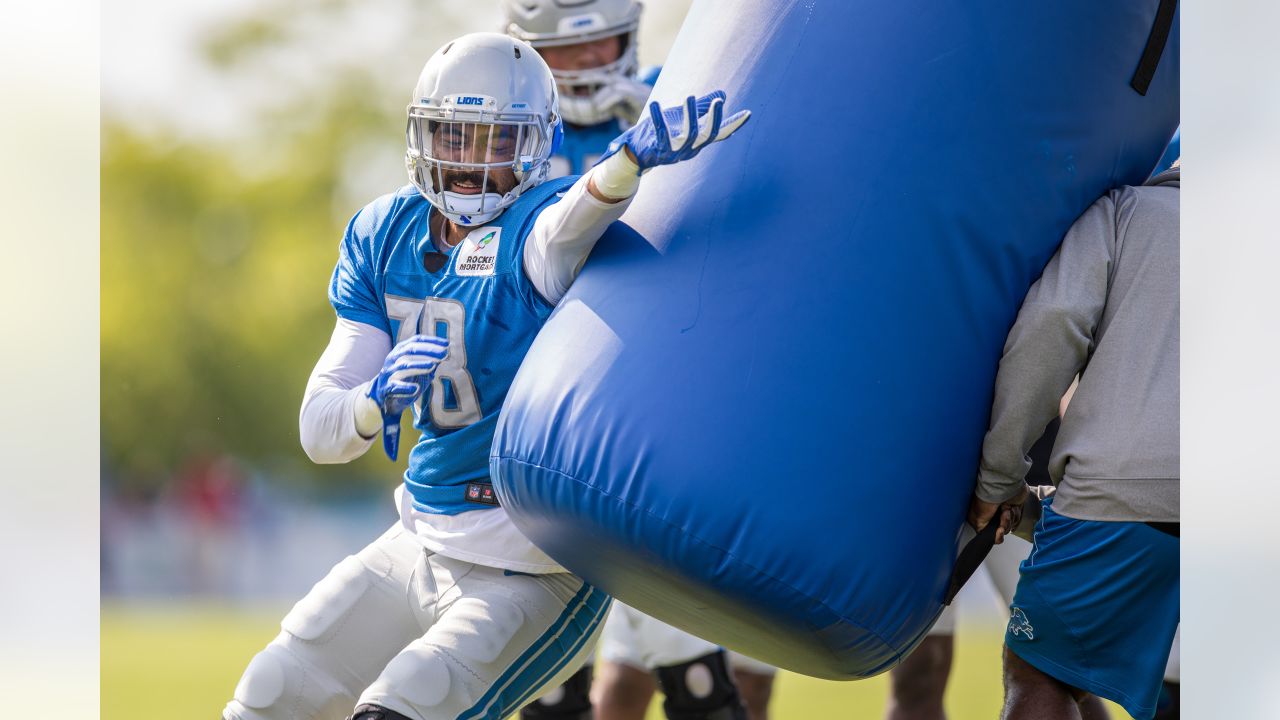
(182, 661)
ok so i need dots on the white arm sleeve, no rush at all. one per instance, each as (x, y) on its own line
(562, 237)
(335, 407)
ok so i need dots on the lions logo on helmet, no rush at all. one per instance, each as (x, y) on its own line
(483, 123)
(587, 96)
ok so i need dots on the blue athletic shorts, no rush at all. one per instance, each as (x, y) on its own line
(1097, 607)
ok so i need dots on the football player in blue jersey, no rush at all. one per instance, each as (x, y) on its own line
(439, 290)
(590, 46)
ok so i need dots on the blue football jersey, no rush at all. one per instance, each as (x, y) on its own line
(583, 145)
(481, 300)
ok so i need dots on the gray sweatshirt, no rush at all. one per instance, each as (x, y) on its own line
(1105, 308)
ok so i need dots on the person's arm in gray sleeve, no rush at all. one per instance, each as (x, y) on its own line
(1050, 343)
(1032, 509)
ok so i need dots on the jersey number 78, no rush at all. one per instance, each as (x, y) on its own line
(447, 318)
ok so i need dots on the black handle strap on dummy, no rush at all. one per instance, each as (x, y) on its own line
(1155, 46)
(974, 552)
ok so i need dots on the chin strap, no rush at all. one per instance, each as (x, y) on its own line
(465, 209)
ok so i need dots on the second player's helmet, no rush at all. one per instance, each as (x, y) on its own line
(483, 124)
(552, 23)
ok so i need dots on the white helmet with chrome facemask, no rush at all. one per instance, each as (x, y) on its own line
(483, 124)
(585, 95)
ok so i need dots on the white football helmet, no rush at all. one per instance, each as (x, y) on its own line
(484, 103)
(552, 23)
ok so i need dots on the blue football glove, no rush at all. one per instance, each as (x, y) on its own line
(405, 376)
(666, 137)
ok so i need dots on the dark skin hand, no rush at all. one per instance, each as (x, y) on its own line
(982, 512)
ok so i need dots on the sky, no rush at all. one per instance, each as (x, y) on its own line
(149, 58)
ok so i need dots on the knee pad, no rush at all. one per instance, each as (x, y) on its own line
(376, 712)
(275, 681)
(701, 689)
(570, 701)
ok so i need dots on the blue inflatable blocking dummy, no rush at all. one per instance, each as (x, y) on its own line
(758, 413)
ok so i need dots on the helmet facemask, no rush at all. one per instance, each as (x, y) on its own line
(584, 97)
(471, 164)
(588, 95)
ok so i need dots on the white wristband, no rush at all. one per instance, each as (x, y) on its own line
(368, 415)
(617, 177)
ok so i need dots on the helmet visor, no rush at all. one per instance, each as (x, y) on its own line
(473, 144)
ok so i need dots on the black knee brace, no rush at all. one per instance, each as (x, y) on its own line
(713, 695)
(1167, 707)
(376, 712)
(571, 701)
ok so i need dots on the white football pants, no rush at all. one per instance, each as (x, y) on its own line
(632, 638)
(421, 634)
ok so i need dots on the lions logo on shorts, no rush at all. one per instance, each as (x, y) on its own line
(1020, 626)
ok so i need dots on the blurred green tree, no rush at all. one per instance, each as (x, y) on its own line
(216, 255)
(217, 250)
